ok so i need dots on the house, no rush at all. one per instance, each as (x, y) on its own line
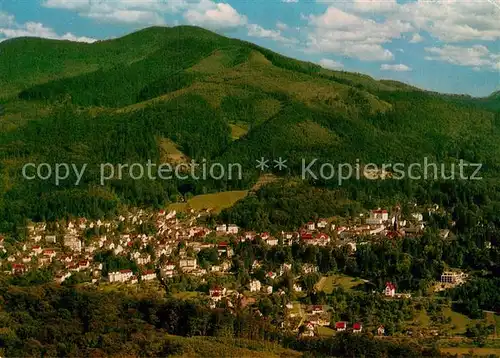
(120, 276)
(284, 268)
(418, 217)
(133, 279)
(216, 293)
(83, 264)
(50, 254)
(357, 327)
(169, 266)
(310, 226)
(340, 326)
(317, 309)
(269, 290)
(322, 223)
(308, 329)
(390, 289)
(380, 330)
(60, 278)
(453, 277)
(309, 268)
(264, 236)
(50, 239)
(271, 241)
(297, 287)
(188, 264)
(37, 250)
(222, 248)
(272, 275)
(221, 229)
(18, 269)
(143, 259)
(377, 217)
(232, 229)
(148, 275)
(255, 286)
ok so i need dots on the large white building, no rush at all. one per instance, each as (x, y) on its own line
(377, 217)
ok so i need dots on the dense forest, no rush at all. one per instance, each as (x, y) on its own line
(52, 321)
(227, 101)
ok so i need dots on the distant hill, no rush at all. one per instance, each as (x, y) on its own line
(207, 96)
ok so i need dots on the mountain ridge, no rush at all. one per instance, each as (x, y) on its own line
(210, 97)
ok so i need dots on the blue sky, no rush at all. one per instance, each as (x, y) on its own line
(448, 46)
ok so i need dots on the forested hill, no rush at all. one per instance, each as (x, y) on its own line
(170, 94)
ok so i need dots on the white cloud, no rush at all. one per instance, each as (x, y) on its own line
(330, 64)
(129, 16)
(416, 38)
(36, 29)
(477, 56)
(337, 31)
(6, 19)
(214, 15)
(255, 30)
(375, 6)
(453, 20)
(146, 12)
(68, 4)
(281, 26)
(397, 68)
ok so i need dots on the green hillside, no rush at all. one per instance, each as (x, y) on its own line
(210, 97)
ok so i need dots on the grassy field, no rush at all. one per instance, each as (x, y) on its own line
(325, 331)
(238, 131)
(227, 347)
(170, 153)
(186, 295)
(474, 351)
(216, 202)
(328, 283)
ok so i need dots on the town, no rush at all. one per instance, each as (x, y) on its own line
(143, 246)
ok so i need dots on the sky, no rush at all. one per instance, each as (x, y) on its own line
(450, 46)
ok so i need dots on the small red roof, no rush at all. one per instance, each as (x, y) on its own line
(148, 272)
(340, 325)
(357, 326)
(306, 236)
(125, 271)
(390, 285)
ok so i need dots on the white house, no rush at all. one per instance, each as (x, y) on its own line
(272, 241)
(453, 277)
(377, 217)
(221, 229)
(322, 223)
(232, 229)
(148, 275)
(187, 264)
(255, 286)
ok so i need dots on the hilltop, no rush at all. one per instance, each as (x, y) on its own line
(185, 93)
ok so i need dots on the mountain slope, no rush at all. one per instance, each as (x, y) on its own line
(209, 97)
